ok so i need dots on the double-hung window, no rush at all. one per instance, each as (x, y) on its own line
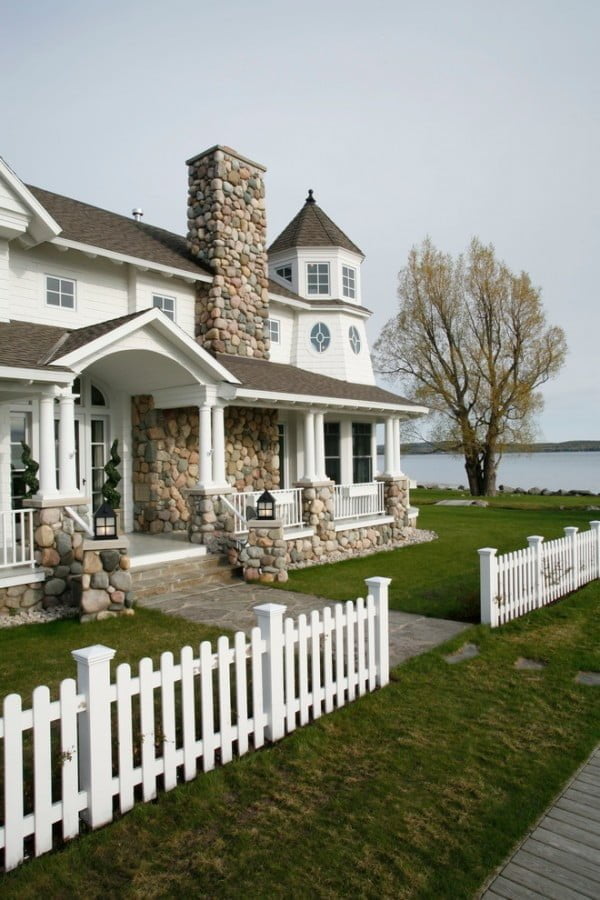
(333, 462)
(60, 292)
(166, 304)
(349, 282)
(362, 461)
(317, 278)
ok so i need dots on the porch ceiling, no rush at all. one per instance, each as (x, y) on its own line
(140, 371)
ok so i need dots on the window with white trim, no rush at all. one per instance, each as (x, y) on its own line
(320, 337)
(60, 292)
(284, 272)
(317, 278)
(273, 330)
(166, 304)
(349, 282)
(354, 338)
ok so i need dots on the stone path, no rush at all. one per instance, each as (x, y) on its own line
(230, 606)
(561, 857)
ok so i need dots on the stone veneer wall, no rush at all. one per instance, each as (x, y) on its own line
(105, 582)
(227, 230)
(251, 448)
(165, 461)
(263, 558)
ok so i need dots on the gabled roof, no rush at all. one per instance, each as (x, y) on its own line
(312, 228)
(97, 227)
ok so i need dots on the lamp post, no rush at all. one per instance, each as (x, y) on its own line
(105, 523)
(265, 506)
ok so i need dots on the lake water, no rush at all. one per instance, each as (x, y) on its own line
(554, 471)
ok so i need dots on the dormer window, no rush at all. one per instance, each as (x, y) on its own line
(284, 272)
(349, 282)
(166, 304)
(317, 278)
(60, 292)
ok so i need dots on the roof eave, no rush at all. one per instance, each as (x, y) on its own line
(141, 263)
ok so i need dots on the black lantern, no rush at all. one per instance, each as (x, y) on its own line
(105, 523)
(265, 506)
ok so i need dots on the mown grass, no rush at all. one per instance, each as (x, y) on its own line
(442, 578)
(418, 790)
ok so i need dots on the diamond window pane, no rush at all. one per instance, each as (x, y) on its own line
(354, 338)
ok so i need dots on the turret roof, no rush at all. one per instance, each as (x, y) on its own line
(312, 227)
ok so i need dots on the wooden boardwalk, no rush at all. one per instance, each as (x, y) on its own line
(561, 857)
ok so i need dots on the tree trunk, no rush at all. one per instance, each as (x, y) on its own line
(474, 475)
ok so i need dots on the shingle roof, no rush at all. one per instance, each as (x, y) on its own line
(100, 228)
(312, 228)
(281, 378)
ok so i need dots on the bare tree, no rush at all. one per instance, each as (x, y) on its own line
(471, 341)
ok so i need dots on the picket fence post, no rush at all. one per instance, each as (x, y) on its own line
(270, 622)
(535, 542)
(95, 750)
(377, 587)
(595, 526)
(488, 579)
(571, 536)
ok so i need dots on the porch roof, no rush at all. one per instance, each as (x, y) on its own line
(287, 381)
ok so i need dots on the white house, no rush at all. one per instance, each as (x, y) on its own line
(221, 368)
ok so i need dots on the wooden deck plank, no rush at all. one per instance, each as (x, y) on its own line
(580, 797)
(569, 818)
(535, 881)
(564, 843)
(586, 812)
(589, 776)
(573, 832)
(557, 873)
(585, 787)
(511, 891)
(564, 859)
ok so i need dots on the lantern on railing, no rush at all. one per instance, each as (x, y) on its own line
(105, 523)
(265, 506)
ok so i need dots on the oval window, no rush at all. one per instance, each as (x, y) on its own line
(354, 338)
(320, 337)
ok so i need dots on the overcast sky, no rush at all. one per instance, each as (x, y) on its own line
(407, 118)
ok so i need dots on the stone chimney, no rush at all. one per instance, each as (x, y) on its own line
(227, 230)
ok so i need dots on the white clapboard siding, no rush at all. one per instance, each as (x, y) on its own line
(516, 583)
(126, 740)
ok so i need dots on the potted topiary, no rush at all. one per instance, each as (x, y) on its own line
(30, 469)
(113, 477)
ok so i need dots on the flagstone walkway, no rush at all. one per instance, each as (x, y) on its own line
(560, 858)
(230, 606)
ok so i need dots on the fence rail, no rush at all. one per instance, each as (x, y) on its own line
(16, 538)
(516, 583)
(288, 507)
(359, 501)
(68, 758)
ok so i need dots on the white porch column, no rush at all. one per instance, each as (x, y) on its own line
(47, 448)
(373, 450)
(309, 447)
(218, 443)
(67, 474)
(205, 453)
(397, 466)
(389, 465)
(320, 446)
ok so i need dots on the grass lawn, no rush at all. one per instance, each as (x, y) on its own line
(418, 790)
(442, 578)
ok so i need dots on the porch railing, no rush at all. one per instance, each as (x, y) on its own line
(359, 501)
(288, 507)
(16, 538)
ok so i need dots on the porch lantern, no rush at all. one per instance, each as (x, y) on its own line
(105, 523)
(265, 506)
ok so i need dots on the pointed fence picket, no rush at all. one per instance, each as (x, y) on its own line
(104, 746)
(516, 583)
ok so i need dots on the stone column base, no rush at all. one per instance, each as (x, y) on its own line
(263, 559)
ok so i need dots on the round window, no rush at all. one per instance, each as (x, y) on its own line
(354, 338)
(320, 337)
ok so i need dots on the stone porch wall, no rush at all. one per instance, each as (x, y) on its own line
(251, 448)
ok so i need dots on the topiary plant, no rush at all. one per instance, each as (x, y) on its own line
(113, 477)
(30, 474)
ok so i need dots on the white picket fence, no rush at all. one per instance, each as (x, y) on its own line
(516, 583)
(101, 747)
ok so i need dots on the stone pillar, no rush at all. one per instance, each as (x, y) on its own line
(263, 557)
(205, 448)
(67, 473)
(320, 447)
(309, 447)
(47, 477)
(396, 498)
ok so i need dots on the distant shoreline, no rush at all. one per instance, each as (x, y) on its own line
(425, 448)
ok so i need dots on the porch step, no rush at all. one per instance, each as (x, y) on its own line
(181, 576)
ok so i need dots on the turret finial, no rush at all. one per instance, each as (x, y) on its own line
(310, 198)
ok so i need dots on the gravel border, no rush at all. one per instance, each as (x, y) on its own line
(37, 616)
